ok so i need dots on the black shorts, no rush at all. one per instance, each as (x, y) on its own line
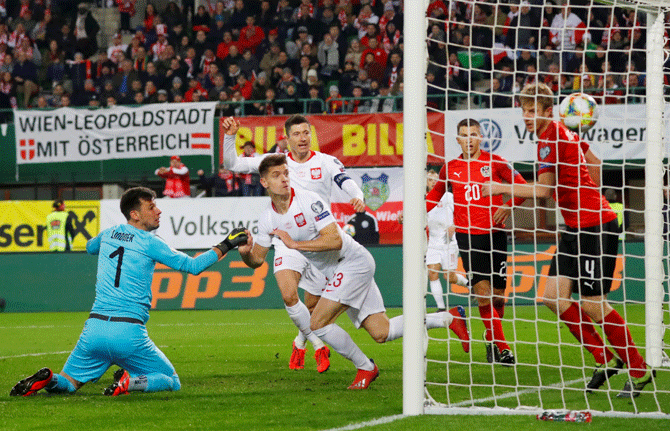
(588, 256)
(484, 257)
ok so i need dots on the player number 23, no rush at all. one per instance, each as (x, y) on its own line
(472, 192)
(337, 280)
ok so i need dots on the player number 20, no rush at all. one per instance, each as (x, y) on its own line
(472, 192)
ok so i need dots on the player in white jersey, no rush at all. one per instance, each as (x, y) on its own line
(442, 252)
(303, 221)
(316, 172)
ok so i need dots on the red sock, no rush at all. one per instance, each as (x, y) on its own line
(619, 337)
(500, 310)
(581, 326)
(493, 324)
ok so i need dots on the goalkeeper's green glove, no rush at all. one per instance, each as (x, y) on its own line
(236, 237)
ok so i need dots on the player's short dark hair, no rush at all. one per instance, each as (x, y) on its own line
(294, 120)
(270, 162)
(131, 200)
(468, 122)
(57, 203)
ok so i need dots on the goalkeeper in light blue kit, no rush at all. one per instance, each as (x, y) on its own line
(115, 332)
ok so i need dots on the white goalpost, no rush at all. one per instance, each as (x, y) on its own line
(475, 79)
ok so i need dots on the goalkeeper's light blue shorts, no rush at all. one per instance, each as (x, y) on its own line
(102, 344)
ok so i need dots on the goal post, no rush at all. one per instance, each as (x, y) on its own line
(552, 366)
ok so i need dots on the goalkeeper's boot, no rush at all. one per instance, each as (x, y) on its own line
(460, 327)
(297, 361)
(322, 357)
(120, 385)
(633, 387)
(492, 351)
(506, 358)
(30, 385)
(364, 377)
(603, 372)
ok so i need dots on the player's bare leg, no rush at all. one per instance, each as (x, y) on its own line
(287, 281)
(557, 297)
(323, 325)
(497, 349)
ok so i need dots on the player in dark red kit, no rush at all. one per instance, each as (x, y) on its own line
(479, 221)
(588, 249)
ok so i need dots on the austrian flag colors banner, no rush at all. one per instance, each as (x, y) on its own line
(73, 135)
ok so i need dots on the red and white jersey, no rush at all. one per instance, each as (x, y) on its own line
(318, 174)
(473, 213)
(567, 33)
(560, 151)
(112, 50)
(439, 219)
(307, 215)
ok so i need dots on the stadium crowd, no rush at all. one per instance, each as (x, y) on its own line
(305, 56)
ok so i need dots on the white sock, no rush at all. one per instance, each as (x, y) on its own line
(342, 343)
(462, 281)
(299, 314)
(395, 328)
(437, 292)
(439, 320)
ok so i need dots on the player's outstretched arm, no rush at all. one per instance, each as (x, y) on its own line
(93, 244)
(242, 165)
(253, 254)
(541, 189)
(236, 237)
(329, 239)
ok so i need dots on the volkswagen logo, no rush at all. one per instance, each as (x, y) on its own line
(492, 135)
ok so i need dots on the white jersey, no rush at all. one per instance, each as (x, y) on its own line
(439, 219)
(317, 174)
(306, 216)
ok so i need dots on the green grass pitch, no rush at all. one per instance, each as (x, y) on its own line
(233, 367)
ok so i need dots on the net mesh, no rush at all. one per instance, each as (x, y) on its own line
(480, 55)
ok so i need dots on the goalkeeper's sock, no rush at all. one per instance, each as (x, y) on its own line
(619, 337)
(438, 293)
(493, 326)
(342, 343)
(299, 314)
(155, 382)
(395, 328)
(60, 384)
(581, 326)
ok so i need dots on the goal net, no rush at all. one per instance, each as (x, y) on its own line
(471, 59)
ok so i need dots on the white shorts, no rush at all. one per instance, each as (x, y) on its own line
(446, 256)
(353, 284)
(311, 279)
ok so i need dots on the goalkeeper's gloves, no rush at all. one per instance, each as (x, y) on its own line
(236, 237)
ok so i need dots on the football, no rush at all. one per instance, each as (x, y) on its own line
(579, 112)
(349, 229)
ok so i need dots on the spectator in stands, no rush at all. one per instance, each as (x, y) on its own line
(177, 180)
(494, 98)
(567, 31)
(195, 88)
(266, 16)
(365, 17)
(291, 105)
(250, 36)
(355, 53)
(149, 18)
(238, 19)
(378, 53)
(7, 94)
(584, 80)
(357, 105)
(315, 104)
(65, 101)
(329, 57)
(25, 76)
(635, 93)
(280, 146)
(546, 58)
(270, 59)
(371, 32)
(249, 63)
(393, 68)
(126, 11)
(7, 63)
(220, 184)
(383, 103)
(82, 98)
(251, 184)
(374, 69)
(201, 20)
(86, 30)
(334, 102)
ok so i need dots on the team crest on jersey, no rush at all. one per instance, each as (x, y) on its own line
(316, 173)
(300, 220)
(317, 207)
(338, 163)
(544, 152)
(278, 261)
(486, 171)
(376, 190)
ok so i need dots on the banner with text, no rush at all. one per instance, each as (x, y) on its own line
(356, 140)
(383, 190)
(195, 223)
(619, 134)
(23, 224)
(73, 135)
